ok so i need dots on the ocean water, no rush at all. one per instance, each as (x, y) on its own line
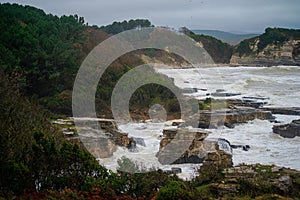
(279, 83)
(280, 86)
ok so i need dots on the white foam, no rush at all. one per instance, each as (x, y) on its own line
(279, 84)
(266, 147)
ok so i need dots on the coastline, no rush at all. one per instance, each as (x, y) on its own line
(162, 66)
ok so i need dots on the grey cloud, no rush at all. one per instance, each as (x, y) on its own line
(238, 15)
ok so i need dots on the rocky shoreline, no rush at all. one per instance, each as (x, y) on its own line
(190, 145)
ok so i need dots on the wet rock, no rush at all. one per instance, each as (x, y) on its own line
(96, 123)
(244, 147)
(187, 134)
(99, 147)
(274, 121)
(176, 170)
(181, 145)
(160, 137)
(175, 122)
(229, 117)
(290, 130)
(132, 147)
(121, 139)
(220, 90)
(100, 136)
(283, 110)
(245, 103)
(255, 98)
(189, 90)
(108, 124)
(139, 141)
(224, 145)
(224, 94)
(219, 159)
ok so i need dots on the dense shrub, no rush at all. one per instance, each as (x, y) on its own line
(174, 190)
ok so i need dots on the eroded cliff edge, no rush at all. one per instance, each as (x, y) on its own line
(277, 46)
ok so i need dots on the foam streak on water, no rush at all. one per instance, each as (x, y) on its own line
(281, 84)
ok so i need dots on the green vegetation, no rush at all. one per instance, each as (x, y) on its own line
(272, 36)
(244, 48)
(118, 27)
(219, 51)
(34, 156)
(228, 37)
(210, 103)
(127, 165)
(174, 190)
(42, 52)
(39, 58)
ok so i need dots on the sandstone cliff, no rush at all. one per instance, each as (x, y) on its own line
(275, 47)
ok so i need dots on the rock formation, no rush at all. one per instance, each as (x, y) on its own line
(183, 145)
(284, 110)
(100, 136)
(229, 117)
(290, 130)
(271, 55)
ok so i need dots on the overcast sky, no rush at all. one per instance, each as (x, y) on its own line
(227, 15)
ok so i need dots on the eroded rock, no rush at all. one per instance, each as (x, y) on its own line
(100, 136)
(229, 117)
(283, 110)
(290, 130)
(182, 145)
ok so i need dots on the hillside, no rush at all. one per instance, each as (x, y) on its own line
(277, 46)
(230, 38)
(218, 50)
(40, 55)
(43, 53)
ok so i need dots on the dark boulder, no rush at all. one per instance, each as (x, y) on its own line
(290, 130)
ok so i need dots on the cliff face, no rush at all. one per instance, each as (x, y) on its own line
(271, 55)
(274, 47)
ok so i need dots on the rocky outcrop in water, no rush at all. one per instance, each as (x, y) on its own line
(182, 145)
(229, 117)
(100, 147)
(290, 130)
(247, 102)
(100, 136)
(284, 110)
(177, 142)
